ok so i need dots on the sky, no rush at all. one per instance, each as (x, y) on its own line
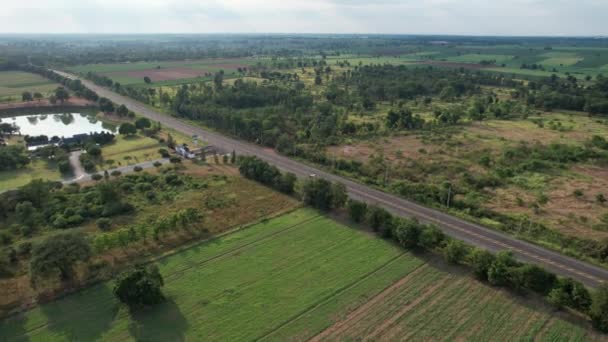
(455, 17)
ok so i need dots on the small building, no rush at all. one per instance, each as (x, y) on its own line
(184, 151)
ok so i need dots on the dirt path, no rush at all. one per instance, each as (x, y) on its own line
(77, 168)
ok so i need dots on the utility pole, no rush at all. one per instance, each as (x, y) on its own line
(449, 195)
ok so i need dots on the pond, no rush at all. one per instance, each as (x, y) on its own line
(61, 125)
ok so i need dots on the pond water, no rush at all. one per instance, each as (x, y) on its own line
(61, 125)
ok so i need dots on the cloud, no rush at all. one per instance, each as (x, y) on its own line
(476, 17)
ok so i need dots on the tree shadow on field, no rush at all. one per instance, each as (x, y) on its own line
(82, 316)
(162, 322)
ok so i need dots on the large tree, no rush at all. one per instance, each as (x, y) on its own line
(140, 286)
(61, 94)
(57, 256)
(127, 129)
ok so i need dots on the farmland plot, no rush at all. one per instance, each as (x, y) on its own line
(300, 276)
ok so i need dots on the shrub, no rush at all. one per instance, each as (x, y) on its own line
(5, 238)
(431, 237)
(455, 251)
(499, 271)
(163, 153)
(175, 160)
(158, 164)
(24, 248)
(104, 223)
(96, 177)
(377, 217)
(407, 232)
(356, 210)
(116, 173)
(137, 169)
(599, 309)
(57, 255)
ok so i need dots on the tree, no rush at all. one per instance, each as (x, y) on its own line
(377, 217)
(318, 193)
(455, 251)
(122, 110)
(147, 79)
(537, 279)
(356, 210)
(38, 96)
(481, 261)
(26, 96)
(53, 99)
(318, 80)
(57, 255)
(140, 286)
(61, 94)
(499, 271)
(407, 232)
(127, 129)
(142, 123)
(170, 141)
(599, 308)
(431, 237)
(106, 105)
(338, 195)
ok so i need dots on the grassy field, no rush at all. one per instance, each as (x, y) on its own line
(14, 83)
(38, 169)
(296, 277)
(127, 150)
(437, 156)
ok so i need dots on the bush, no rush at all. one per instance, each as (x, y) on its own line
(96, 177)
(5, 238)
(140, 287)
(116, 173)
(175, 160)
(57, 255)
(377, 217)
(24, 248)
(137, 169)
(104, 223)
(455, 251)
(599, 309)
(431, 237)
(158, 164)
(356, 210)
(407, 232)
(481, 260)
(499, 272)
(163, 153)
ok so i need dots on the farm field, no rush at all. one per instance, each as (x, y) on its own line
(297, 277)
(166, 73)
(14, 83)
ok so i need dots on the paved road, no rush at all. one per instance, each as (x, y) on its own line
(471, 233)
